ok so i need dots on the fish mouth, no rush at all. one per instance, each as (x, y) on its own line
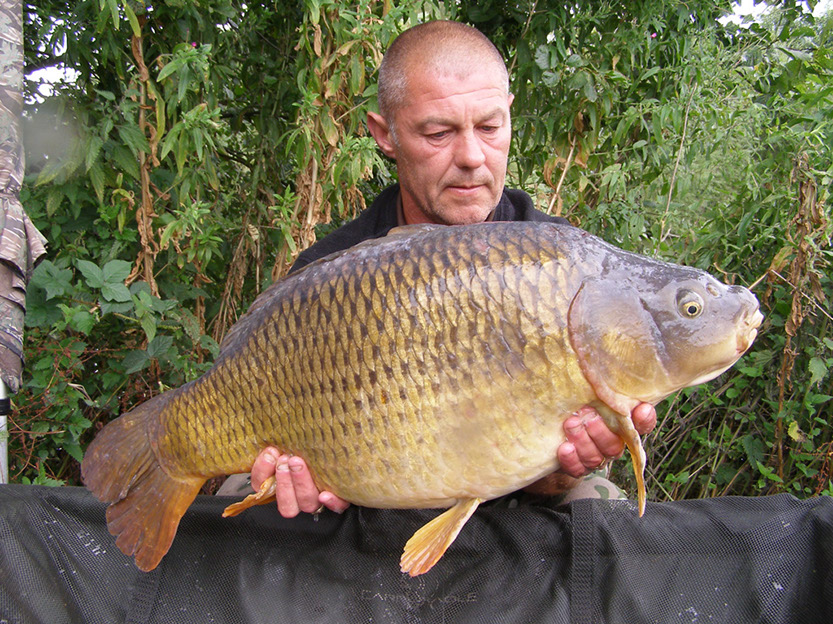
(745, 339)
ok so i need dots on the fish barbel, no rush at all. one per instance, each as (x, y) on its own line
(430, 368)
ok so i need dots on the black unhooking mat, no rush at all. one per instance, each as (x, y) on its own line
(732, 560)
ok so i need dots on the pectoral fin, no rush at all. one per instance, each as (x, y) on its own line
(427, 545)
(638, 459)
(266, 494)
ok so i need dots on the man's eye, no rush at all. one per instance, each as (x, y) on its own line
(439, 135)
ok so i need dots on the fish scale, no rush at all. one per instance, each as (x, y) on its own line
(431, 368)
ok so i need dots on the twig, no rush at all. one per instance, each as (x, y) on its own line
(794, 287)
(567, 163)
(677, 163)
(523, 34)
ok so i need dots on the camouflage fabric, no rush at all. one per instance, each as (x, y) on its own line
(595, 485)
(21, 245)
(236, 485)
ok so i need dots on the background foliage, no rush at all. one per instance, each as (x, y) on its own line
(198, 145)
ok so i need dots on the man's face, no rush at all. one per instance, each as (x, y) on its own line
(451, 145)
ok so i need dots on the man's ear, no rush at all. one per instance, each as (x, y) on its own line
(380, 131)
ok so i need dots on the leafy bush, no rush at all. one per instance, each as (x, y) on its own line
(199, 147)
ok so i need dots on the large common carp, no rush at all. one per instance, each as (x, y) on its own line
(431, 368)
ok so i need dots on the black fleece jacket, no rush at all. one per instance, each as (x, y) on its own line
(381, 217)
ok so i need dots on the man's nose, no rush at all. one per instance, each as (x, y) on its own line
(468, 151)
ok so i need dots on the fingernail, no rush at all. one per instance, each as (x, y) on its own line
(327, 499)
(295, 464)
(589, 416)
(282, 467)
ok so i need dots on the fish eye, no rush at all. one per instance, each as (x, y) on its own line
(689, 304)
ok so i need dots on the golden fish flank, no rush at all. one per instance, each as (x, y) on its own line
(431, 368)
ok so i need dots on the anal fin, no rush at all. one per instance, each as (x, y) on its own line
(427, 545)
(266, 494)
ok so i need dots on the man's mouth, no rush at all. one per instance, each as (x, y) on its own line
(464, 188)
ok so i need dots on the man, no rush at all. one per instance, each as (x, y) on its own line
(444, 118)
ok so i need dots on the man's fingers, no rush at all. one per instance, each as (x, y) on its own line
(602, 440)
(569, 460)
(644, 418)
(333, 502)
(306, 494)
(592, 442)
(285, 489)
(264, 466)
(296, 491)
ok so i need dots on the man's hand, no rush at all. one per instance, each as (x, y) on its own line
(589, 444)
(294, 487)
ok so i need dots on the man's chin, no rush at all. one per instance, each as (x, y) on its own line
(463, 216)
(465, 213)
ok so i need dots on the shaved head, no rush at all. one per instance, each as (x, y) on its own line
(444, 118)
(441, 47)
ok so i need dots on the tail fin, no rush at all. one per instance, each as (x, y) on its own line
(146, 503)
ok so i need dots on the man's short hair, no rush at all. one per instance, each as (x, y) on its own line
(442, 46)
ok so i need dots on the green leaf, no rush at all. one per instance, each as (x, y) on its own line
(190, 324)
(170, 68)
(114, 12)
(54, 200)
(134, 139)
(356, 74)
(818, 370)
(115, 307)
(96, 174)
(648, 73)
(754, 449)
(590, 91)
(74, 449)
(329, 128)
(82, 321)
(115, 292)
(314, 11)
(135, 361)
(148, 323)
(184, 80)
(542, 57)
(107, 95)
(93, 275)
(126, 160)
(131, 17)
(160, 115)
(159, 346)
(769, 473)
(170, 139)
(794, 432)
(116, 271)
(93, 149)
